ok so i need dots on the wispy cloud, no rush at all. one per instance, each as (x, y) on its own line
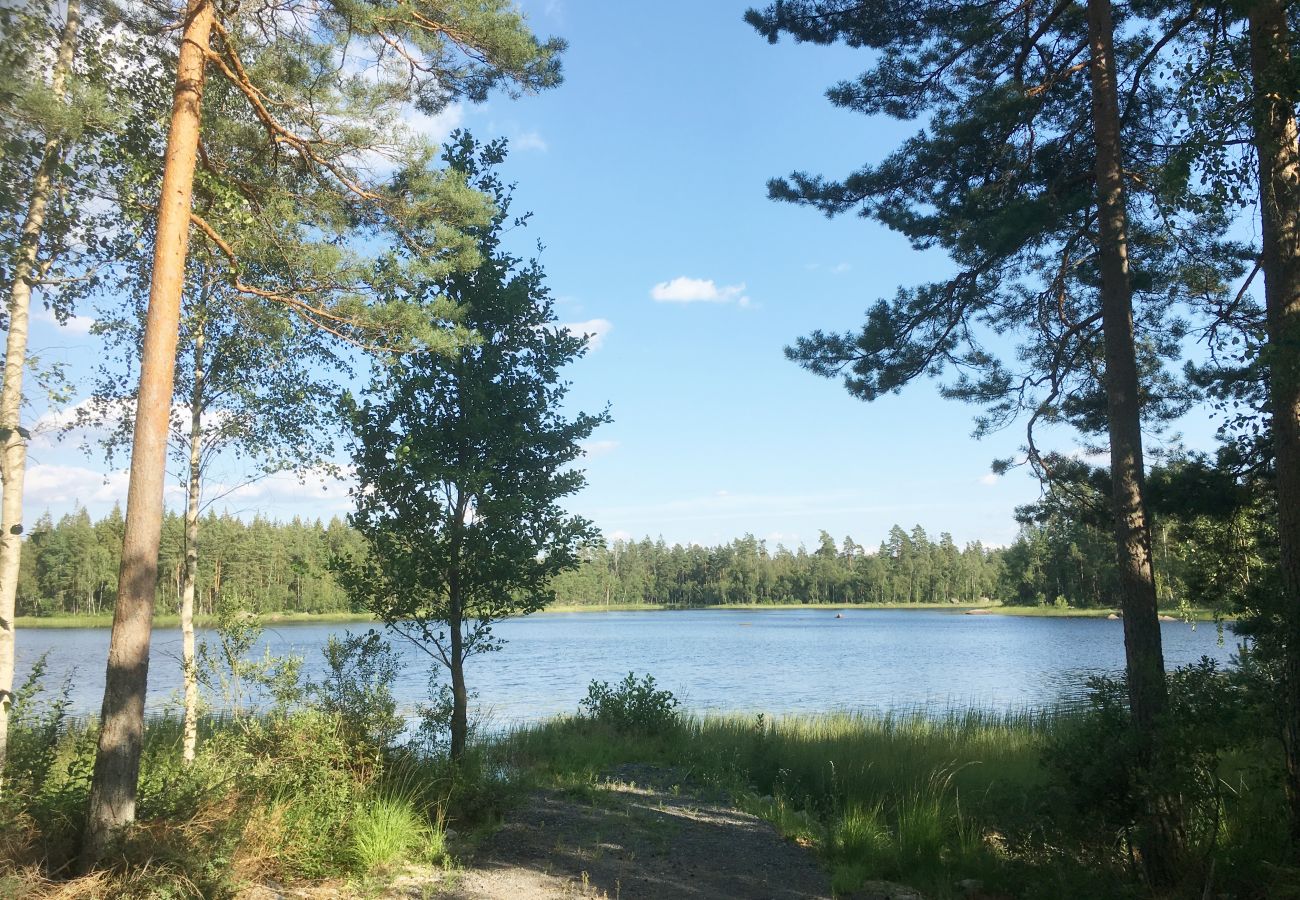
(592, 449)
(990, 478)
(698, 290)
(529, 140)
(595, 329)
(76, 324)
(48, 485)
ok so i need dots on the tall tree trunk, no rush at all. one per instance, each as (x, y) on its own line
(1148, 694)
(121, 730)
(13, 446)
(459, 694)
(192, 491)
(1279, 188)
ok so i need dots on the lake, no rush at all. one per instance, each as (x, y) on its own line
(773, 661)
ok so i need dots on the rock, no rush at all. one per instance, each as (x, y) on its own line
(1113, 617)
(1167, 619)
(978, 612)
(969, 885)
(839, 615)
(886, 890)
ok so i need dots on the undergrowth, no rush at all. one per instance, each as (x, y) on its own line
(962, 802)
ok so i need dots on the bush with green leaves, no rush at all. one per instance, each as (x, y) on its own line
(632, 705)
(360, 669)
(226, 668)
(1216, 768)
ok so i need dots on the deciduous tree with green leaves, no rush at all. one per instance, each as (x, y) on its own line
(462, 459)
(50, 100)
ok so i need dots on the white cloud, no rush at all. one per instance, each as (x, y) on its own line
(990, 478)
(698, 290)
(48, 485)
(528, 140)
(75, 324)
(619, 535)
(592, 449)
(595, 329)
(286, 487)
(437, 128)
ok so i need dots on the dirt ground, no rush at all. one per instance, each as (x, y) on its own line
(642, 834)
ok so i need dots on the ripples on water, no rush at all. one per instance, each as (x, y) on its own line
(773, 661)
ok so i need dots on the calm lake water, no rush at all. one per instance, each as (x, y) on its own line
(774, 661)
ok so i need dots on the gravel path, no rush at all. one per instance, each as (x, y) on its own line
(643, 834)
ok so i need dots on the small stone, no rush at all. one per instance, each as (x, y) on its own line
(969, 885)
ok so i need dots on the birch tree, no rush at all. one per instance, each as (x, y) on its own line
(46, 104)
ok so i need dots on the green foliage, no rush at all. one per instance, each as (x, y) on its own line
(433, 717)
(462, 457)
(1216, 762)
(999, 176)
(387, 828)
(225, 666)
(633, 706)
(906, 567)
(70, 566)
(357, 688)
(36, 722)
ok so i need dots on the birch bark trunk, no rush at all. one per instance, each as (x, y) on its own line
(13, 445)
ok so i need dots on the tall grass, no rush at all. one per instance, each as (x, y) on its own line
(914, 797)
(930, 800)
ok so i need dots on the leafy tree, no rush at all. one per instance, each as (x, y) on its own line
(323, 84)
(462, 459)
(255, 385)
(47, 104)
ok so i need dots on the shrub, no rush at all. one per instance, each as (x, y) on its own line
(633, 705)
(1213, 774)
(356, 688)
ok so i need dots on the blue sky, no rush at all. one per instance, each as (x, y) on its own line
(646, 175)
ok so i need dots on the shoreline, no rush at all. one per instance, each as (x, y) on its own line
(171, 620)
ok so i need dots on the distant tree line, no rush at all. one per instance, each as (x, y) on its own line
(71, 565)
(1203, 556)
(907, 567)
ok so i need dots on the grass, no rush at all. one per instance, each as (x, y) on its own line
(170, 620)
(931, 801)
(1194, 614)
(388, 829)
(915, 798)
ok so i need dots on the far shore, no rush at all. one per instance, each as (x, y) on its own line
(171, 620)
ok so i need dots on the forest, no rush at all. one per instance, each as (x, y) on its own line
(292, 234)
(1206, 558)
